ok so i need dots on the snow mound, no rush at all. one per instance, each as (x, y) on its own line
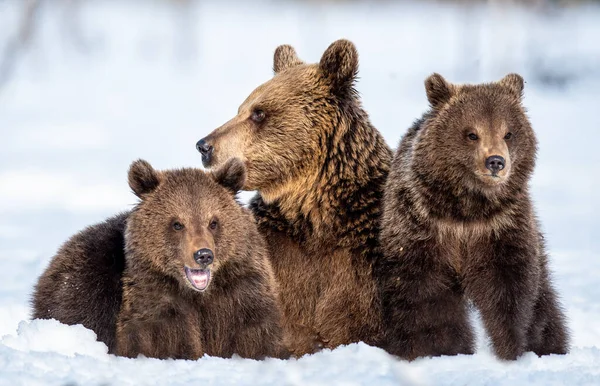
(355, 364)
(53, 336)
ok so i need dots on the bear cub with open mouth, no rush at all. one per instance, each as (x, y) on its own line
(458, 223)
(197, 279)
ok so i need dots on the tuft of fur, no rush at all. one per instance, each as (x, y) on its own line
(162, 315)
(232, 175)
(285, 57)
(319, 167)
(142, 178)
(339, 64)
(82, 284)
(452, 230)
(438, 90)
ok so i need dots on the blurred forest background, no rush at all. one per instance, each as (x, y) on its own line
(78, 37)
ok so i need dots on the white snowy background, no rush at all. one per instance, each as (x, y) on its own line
(101, 83)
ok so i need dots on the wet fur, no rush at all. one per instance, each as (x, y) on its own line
(447, 239)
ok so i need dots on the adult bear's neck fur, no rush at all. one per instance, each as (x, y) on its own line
(341, 208)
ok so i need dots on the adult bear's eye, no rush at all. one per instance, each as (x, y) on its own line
(508, 135)
(473, 137)
(177, 226)
(214, 224)
(258, 116)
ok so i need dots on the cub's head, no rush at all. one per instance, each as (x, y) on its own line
(477, 136)
(280, 130)
(188, 223)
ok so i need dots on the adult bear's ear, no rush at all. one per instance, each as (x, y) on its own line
(514, 83)
(232, 175)
(339, 64)
(143, 178)
(438, 90)
(285, 57)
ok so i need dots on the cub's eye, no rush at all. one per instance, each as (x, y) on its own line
(258, 116)
(214, 224)
(177, 226)
(508, 136)
(473, 137)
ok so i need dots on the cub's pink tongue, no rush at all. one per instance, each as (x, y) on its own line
(199, 278)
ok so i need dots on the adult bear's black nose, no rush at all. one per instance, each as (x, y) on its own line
(206, 150)
(495, 163)
(204, 256)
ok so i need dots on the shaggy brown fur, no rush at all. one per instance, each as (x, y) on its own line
(165, 312)
(454, 230)
(320, 168)
(82, 284)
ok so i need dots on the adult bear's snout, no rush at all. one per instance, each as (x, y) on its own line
(205, 150)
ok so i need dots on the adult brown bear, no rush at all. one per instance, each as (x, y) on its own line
(319, 167)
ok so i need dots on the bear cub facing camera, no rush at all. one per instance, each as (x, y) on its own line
(458, 223)
(197, 279)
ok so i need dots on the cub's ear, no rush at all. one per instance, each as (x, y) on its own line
(232, 175)
(439, 91)
(143, 178)
(514, 83)
(285, 57)
(339, 64)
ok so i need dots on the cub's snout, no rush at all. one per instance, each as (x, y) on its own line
(204, 256)
(495, 163)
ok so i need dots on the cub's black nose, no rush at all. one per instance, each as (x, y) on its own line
(204, 256)
(495, 163)
(205, 149)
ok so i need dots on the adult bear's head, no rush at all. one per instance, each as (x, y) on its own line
(285, 130)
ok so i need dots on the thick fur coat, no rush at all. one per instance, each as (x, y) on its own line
(198, 278)
(82, 284)
(319, 167)
(458, 224)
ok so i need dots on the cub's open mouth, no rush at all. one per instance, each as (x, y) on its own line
(198, 278)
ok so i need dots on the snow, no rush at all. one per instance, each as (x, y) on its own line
(48, 353)
(57, 338)
(147, 80)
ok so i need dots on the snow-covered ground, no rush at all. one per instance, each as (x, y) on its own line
(109, 82)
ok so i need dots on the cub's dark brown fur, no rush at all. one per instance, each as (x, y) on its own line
(319, 166)
(198, 279)
(82, 284)
(458, 224)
